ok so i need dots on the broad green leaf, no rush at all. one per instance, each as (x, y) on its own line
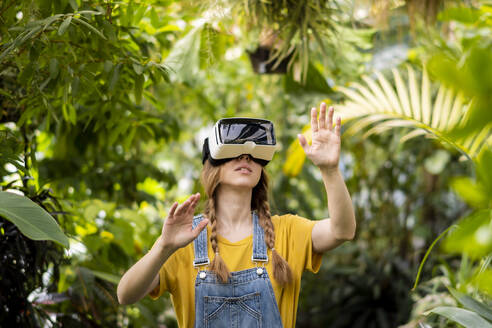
(32, 220)
(473, 235)
(472, 304)
(471, 192)
(184, 58)
(483, 280)
(123, 235)
(315, 82)
(464, 317)
(483, 165)
(463, 15)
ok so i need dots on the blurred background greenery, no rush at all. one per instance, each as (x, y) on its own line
(104, 106)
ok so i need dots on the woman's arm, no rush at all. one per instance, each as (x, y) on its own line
(177, 232)
(324, 152)
(143, 276)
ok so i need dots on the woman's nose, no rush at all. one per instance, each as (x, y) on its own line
(248, 157)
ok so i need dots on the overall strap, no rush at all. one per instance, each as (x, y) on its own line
(259, 246)
(200, 244)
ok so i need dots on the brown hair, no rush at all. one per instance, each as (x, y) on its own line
(259, 201)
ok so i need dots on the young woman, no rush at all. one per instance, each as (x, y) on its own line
(235, 265)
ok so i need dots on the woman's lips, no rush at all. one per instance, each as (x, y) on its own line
(244, 169)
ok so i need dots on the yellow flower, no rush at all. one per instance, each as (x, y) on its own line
(106, 235)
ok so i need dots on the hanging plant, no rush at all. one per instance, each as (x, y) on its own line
(285, 29)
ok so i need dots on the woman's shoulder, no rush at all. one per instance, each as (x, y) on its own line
(286, 220)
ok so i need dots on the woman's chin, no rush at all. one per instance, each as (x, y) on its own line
(241, 183)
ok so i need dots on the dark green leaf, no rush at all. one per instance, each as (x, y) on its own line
(114, 78)
(139, 83)
(109, 30)
(63, 26)
(315, 82)
(90, 27)
(54, 68)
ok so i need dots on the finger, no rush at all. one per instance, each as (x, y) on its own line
(322, 116)
(194, 202)
(200, 227)
(302, 140)
(330, 118)
(183, 207)
(314, 120)
(338, 127)
(173, 208)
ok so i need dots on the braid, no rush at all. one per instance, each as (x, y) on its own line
(259, 201)
(210, 180)
(281, 270)
(218, 265)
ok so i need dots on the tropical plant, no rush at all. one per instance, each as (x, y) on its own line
(290, 34)
(288, 27)
(377, 108)
(31, 240)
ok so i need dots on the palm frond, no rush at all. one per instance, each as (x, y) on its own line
(379, 106)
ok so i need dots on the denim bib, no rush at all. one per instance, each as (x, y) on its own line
(246, 300)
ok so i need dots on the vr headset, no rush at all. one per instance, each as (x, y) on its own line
(233, 137)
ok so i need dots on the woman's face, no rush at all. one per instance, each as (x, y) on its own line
(241, 172)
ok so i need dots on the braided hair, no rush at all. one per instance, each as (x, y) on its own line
(259, 201)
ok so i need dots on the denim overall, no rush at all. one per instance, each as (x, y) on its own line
(246, 300)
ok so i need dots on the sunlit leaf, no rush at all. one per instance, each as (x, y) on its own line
(32, 220)
(473, 235)
(471, 192)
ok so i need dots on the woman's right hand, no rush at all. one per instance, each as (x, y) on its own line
(177, 231)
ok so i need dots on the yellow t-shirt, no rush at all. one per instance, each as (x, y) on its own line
(292, 241)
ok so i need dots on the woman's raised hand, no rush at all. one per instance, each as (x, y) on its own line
(177, 231)
(324, 150)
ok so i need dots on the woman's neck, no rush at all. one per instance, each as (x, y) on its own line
(233, 209)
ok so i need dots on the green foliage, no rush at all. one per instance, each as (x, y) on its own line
(32, 220)
(464, 64)
(102, 108)
(469, 319)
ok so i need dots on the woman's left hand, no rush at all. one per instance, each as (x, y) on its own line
(324, 150)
